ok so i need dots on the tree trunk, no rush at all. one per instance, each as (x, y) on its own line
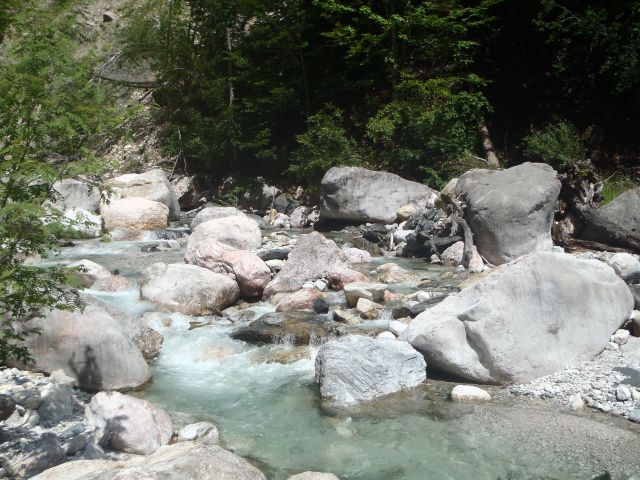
(487, 144)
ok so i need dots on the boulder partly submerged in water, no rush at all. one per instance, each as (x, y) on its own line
(529, 318)
(356, 369)
(187, 289)
(358, 195)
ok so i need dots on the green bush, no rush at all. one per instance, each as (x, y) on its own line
(325, 144)
(557, 144)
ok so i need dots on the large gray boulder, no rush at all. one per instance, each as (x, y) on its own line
(620, 217)
(181, 461)
(75, 194)
(358, 195)
(237, 231)
(510, 211)
(187, 289)
(128, 424)
(134, 215)
(210, 213)
(529, 318)
(356, 369)
(152, 185)
(91, 346)
(313, 257)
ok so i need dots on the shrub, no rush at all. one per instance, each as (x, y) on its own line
(325, 144)
(557, 144)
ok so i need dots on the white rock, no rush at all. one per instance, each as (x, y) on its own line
(576, 403)
(130, 424)
(623, 393)
(386, 336)
(204, 432)
(370, 291)
(396, 327)
(134, 214)
(240, 232)
(187, 289)
(152, 185)
(469, 394)
(624, 264)
(88, 272)
(621, 336)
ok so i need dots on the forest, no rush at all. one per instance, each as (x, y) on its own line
(426, 89)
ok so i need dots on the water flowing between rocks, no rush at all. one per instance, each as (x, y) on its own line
(270, 412)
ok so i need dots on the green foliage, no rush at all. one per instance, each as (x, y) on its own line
(434, 124)
(325, 144)
(52, 116)
(556, 144)
(618, 183)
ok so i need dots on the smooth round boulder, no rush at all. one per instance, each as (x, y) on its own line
(90, 346)
(238, 231)
(87, 273)
(187, 289)
(134, 214)
(303, 299)
(129, 424)
(152, 185)
(213, 212)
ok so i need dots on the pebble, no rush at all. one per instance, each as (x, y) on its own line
(623, 393)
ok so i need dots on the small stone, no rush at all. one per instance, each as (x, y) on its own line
(612, 346)
(576, 403)
(621, 336)
(397, 327)
(313, 476)
(367, 308)
(275, 265)
(204, 432)
(469, 394)
(634, 415)
(386, 336)
(623, 393)
(345, 316)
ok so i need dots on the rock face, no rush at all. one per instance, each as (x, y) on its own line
(152, 185)
(237, 231)
(510, 211)
(76, 194)
(185, 460)
(251, 273)
(313, 257)
(211, 213)
(129, 424)
(187, 289)
(531, 317)
(357, 369)
(88, 345)
(358, 195)
(134, 214)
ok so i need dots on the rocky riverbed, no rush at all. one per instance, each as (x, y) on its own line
(277, 351)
